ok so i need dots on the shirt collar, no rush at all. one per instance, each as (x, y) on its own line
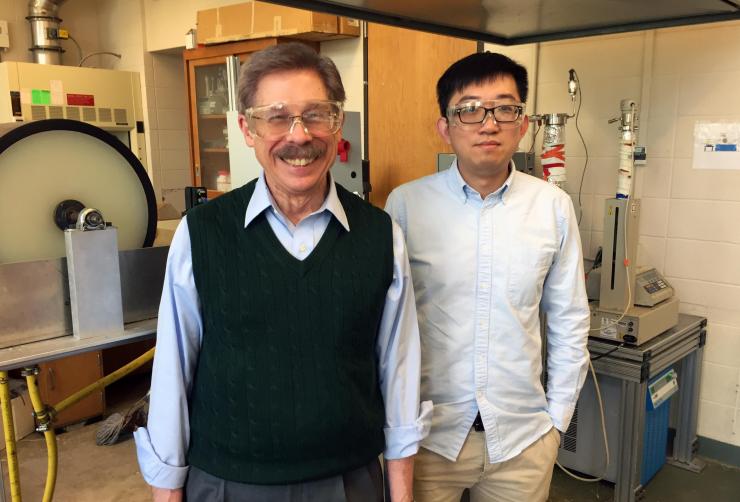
(462, 190)
(262, 199)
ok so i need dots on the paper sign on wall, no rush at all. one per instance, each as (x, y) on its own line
(716, 145)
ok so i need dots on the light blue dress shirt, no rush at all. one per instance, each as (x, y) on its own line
(162, 446)
(482, 270)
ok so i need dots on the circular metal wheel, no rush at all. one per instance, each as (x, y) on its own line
(47, 165)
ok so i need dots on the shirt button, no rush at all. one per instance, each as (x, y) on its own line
(302, 248)
(479, 394)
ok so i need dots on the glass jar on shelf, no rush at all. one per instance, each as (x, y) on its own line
(223, 181)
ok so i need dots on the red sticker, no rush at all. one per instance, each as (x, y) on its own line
(80, 100)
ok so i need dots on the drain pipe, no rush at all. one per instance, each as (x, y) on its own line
(44, 22)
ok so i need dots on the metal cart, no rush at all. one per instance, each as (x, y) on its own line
(623, 374)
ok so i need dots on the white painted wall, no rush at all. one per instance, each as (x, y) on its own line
(169, 124)
(689, 223)
(112, 15)
(167, 21)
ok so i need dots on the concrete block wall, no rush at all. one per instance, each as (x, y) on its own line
(169, 122)
(122, 29)
(689, 226)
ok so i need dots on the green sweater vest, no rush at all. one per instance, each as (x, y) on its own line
(286, 388)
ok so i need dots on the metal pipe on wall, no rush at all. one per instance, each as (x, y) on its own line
(44, 22)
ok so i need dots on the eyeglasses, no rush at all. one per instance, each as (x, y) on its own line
(272, 122)
(505, 115)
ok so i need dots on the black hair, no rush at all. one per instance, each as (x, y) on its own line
(478, 68)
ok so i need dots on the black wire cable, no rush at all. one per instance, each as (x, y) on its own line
(585, 148)
(537, 128)
(79, 49)
(608, 352)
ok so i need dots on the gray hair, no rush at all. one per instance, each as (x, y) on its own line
(291, 56)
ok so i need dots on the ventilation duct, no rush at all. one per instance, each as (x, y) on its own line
(44, 22)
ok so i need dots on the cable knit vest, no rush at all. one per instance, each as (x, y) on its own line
(286, 387)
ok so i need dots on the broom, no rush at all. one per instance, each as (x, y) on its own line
(117, 425)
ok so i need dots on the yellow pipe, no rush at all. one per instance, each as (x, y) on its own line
(103, 382)
(45, 415)
(9, 430)
(44, 420)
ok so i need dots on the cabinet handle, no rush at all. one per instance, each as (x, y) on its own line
(52, 383)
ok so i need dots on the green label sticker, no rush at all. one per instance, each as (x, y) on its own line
(40, 97)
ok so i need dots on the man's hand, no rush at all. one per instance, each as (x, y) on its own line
(166, 495)
(401, 479)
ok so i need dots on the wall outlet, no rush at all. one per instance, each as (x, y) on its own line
(4, 38)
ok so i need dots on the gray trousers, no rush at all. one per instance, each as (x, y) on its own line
(360, 485)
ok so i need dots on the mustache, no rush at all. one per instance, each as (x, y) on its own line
(309, 151)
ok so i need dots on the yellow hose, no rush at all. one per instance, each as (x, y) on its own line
(45, 415)
(103, 382)
(9, 430)
(44, 420)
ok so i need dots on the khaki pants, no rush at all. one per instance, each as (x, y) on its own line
(524, 478)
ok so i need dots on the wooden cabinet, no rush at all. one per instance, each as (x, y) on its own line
(209, 84)
(402, 70)
(61, 378)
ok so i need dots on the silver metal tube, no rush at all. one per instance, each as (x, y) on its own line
(232, 77)
(553, 150)
(628, 126)
(44, 23)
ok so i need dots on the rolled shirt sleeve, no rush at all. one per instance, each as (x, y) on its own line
(161, 446)
(399, 361)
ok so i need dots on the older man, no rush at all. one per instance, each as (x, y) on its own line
(287, 348)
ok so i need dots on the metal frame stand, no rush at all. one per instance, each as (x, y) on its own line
(681, 347)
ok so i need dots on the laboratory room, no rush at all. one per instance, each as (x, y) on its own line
(193, 195)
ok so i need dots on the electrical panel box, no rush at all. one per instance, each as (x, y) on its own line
(444, 161)
(524, 162)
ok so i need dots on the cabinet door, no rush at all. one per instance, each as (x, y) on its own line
(407, 150)
(61, 378)
(209, 103)
(208, 94)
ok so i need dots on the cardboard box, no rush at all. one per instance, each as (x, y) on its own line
(22, 414)
(250, 20)
(349, 27)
